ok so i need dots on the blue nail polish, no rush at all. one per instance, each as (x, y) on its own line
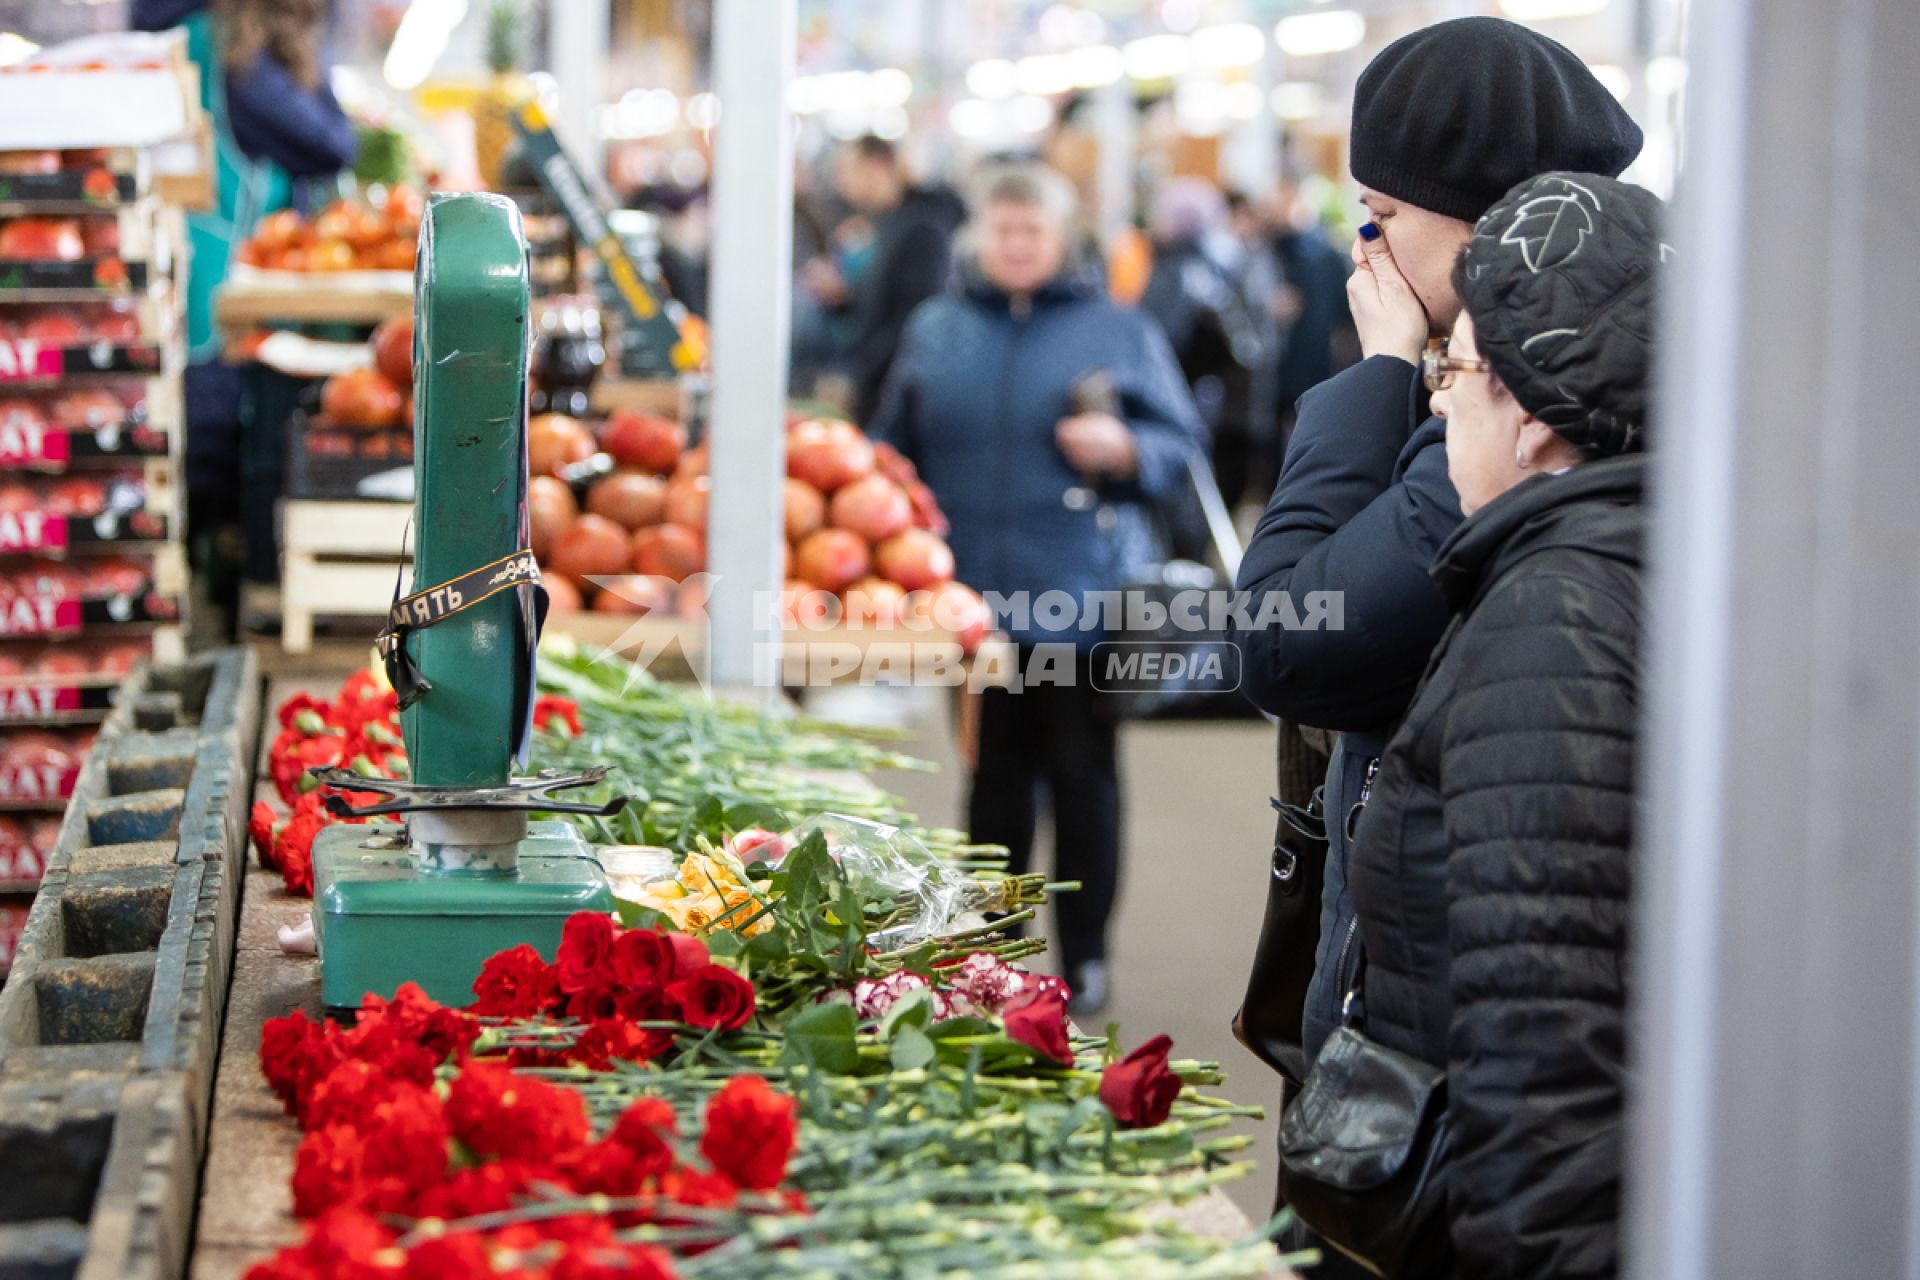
(1369, 231)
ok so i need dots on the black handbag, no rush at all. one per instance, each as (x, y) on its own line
(1363, 1153)
(1268, 1022)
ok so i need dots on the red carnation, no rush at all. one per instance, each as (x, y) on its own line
(295, 1053)
(459, 1256)
(750, 1133)
(586, 948)
(603, 1168)
(306, 714)
(492, 1187)
(1038, 1020)
(329, 1169)
(647, 1129)
(263, 825)
(551, 711)
(346, 1095)
(715, 997)
(1139, 1089)
(608, 1039)
(412, 1015)
(500, 1115)
(343, 1241)
(515, 983)
(699, 1189)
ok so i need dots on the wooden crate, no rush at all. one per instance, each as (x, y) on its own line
(338, 559)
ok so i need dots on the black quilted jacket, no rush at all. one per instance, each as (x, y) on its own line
(1491, 870)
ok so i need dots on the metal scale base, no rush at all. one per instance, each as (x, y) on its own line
(382, 919)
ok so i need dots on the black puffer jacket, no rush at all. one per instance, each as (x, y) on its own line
(1491, 870)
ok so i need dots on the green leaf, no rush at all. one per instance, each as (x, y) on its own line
(724, 943)
(635, 916)
(911, 1049)
(824, 1037)
(768, 949)
(910, 1012)
(754, 813)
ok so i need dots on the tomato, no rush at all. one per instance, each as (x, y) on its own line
(831, 559)
(29, 162)
(20, 415)
(687, 500)
(873, 506)
(101, 237)
(91, 409)
(77, 496)
(631, 499)
(593, 547)
(635, 594)
(914, 558)
(335, 222)
(669, 551)
(644, 440)
(54, 329)
(392, 344)
(50, 580)
(551, 510)
(278, 231)
(562, 596)
(10, 666)
(875, 604)
(361, 398)
(554, 441)
(828, 454)
(115, 576)
(17, 499)
(806, 510)
(43, 240)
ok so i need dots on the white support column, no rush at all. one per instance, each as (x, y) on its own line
(1116, 125)
(1778, 1072)
(753, 51)
(577, 36)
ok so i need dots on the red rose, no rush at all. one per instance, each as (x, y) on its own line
(642, 958)
(1139, 1089)
(750, 1133)
(651, 1005)
(500, 1115)
(715, 997)
(515, 983)
(689, 953)
(586, 948)
(296, 1053)
(1038, 1020)
(647, 1129)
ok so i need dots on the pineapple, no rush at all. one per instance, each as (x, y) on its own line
(493, 131)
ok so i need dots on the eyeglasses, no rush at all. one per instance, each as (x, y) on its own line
(1437, 367)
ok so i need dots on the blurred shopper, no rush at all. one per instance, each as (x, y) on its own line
(912, 242)
(1446, 121)
(277, 130)
(1492, 867)
(1197, 294)
(1309, 304)
(1044, 495)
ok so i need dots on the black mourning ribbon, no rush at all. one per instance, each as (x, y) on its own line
(423, 609)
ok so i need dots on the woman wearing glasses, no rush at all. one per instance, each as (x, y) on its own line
(1490, 866)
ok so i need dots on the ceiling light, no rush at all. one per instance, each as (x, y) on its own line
(15, 48)
(1029, 114)
(1044, 74)
(889, 87)
(993, 78)
(1157, 57)
(1306, 35)
(973, 118)
(1243, 100)
(1095, 65)
(1238, 44)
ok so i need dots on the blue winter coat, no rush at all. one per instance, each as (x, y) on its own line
(1362, 508)
(973, 399)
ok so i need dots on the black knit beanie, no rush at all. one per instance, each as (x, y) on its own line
(1561, 279)
(1451, 117)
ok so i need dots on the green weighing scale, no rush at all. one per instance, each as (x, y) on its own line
(463, 873)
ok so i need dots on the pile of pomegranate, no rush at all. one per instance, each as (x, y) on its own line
(371, 399)
(865, 538)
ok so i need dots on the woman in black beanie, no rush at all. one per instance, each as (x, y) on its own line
(1446, 120)
(1492, 867)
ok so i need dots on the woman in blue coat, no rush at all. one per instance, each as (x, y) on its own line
(1047, 421)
